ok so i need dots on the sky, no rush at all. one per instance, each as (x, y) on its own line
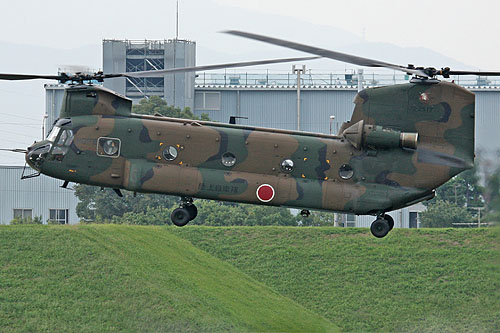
(40, 36)
(468, 30)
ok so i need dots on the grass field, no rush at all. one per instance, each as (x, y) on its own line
(108, 278)
(129, 278)
(413, 280)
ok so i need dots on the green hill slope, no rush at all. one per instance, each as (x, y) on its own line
(412, 280)
(101, 278)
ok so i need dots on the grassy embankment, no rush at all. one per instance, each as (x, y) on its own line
(102, 278)
(442, 280)
(98, 278)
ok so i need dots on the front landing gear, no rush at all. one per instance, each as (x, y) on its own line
(382, 225)
(185, 213)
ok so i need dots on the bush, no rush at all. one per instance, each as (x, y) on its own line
(27, 220)
(442, 214)
(152, 216)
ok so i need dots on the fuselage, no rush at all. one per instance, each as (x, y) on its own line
(230, 162)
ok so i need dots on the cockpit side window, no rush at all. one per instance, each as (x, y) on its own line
(65, 138)
(61, 147)
(62, 138)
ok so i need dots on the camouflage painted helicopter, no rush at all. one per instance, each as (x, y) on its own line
(402, 142)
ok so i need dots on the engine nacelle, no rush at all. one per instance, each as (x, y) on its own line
(378, 137)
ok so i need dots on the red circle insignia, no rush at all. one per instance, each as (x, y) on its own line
(424, 98)
(265, 193)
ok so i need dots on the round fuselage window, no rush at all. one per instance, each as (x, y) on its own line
(170, 153)
(346, 171)
(228, 159)
(286, 166)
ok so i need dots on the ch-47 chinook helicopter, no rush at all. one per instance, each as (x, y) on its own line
(402, 142)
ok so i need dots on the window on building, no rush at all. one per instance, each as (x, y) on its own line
(207, 100)
(23, 213)
(413, 220)
(351, 220)
(59, 215)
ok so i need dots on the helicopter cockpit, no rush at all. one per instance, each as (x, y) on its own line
(55, 146)
(61, 146)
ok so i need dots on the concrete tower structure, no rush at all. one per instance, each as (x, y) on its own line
(121, 56)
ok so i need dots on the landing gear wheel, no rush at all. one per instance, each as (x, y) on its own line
(389, 220)
(380, 228)
(193, 211)
(180, 216)
(305, 213)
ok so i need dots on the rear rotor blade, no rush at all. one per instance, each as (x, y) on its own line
(360, 61)
(161, 72)
(473, 73)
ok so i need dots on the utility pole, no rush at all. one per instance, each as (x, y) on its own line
(298, 71)
(332, 118)
(177, 21)
(479, 209)
(175, 47)
(455, 188)
(360, 79)
(45, 116)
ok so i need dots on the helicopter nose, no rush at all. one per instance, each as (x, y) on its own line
(36, 155)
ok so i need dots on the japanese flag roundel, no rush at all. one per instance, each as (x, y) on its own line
(265, 193)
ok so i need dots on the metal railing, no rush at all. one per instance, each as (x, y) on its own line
(348, 78)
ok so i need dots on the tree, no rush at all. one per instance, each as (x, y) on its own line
(269, 215)
(97, 205)
(318, 218)
(215, 213)
(463, 190)
(442, 214)
(492, 197)
(493, 191)
(152, 216)
(155, 105)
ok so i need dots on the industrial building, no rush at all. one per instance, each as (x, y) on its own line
(39, 196)
(269, 99)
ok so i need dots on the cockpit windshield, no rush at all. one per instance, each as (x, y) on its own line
(54, 133)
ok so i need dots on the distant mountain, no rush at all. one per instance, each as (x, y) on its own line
(44, 60)
(27, 99)
(213, 47)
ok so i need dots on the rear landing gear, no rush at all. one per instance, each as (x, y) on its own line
(382, 225)
(390, 220)
(305, 213)
(185, 213)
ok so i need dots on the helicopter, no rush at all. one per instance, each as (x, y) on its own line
(402, 142)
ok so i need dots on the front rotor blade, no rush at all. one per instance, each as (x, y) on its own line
(13, 77)
(360, 61)
(16, 150)
(161, 72)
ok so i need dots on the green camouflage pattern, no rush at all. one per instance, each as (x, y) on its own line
(385, 174)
